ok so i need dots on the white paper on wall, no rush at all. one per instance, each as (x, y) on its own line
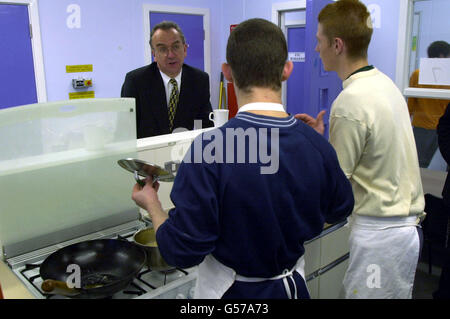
(296, 56)
(434, 71)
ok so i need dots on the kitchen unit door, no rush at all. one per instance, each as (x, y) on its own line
(17, 74)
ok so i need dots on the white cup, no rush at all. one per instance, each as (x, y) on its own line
(219, 117)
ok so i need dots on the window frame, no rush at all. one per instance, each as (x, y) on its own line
(406, 15)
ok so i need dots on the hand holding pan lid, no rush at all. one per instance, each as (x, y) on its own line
(144, 169)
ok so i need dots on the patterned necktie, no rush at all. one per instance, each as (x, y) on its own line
(173, 101)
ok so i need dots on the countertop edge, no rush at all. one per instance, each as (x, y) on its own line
(12, 287)
(328, 228)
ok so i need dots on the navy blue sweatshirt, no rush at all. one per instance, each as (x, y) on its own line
(251, 193)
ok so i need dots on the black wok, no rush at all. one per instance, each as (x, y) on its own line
(106, 267)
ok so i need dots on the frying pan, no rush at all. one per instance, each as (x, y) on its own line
(106, 267)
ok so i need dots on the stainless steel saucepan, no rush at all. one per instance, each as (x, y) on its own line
(146, 239)
(143, 169)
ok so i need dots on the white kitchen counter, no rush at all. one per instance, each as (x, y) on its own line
(12, 287)
(164, 140)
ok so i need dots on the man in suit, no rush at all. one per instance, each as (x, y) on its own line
(169, 94)
(439, 210)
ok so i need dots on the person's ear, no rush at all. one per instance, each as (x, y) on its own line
(226, 70)
(287, 70)
(185, 46)
(152, 52)
(338, 45)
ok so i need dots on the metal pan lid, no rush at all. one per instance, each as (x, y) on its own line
(144, 169)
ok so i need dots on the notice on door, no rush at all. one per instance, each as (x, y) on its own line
(296, 56)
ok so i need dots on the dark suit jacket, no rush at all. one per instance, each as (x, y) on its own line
(146, 86)
(443, 131)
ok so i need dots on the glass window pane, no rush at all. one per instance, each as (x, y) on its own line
(430, 34)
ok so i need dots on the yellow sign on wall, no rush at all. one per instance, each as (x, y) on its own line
(82, 95)
(79, 68)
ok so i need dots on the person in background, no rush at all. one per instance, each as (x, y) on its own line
(443, 211)
(169, 94)
(371, 132)
(426, 112)
(242, 220)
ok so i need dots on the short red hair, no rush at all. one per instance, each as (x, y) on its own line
(349, 20)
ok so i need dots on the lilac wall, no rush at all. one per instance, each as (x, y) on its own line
(383, 48)
(111, 38)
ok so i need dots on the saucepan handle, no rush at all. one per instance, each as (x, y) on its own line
(138, 180)
(141, 182)
(58, 287)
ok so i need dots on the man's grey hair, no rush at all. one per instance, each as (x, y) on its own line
(167, 25)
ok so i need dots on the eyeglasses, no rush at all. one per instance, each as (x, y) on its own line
(164, 51)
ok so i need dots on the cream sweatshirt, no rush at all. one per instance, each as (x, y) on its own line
(371, 131)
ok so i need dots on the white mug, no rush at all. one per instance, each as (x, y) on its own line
(219, 117)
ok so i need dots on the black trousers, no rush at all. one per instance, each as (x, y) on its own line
(435, 228)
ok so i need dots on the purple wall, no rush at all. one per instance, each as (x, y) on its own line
(383, 47)
(112, 39)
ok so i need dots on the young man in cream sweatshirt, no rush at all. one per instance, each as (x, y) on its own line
(371, 132)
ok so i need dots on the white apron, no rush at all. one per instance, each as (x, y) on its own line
(214, 278)
(383, 257)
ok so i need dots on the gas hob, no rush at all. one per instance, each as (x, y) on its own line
(147, 284)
